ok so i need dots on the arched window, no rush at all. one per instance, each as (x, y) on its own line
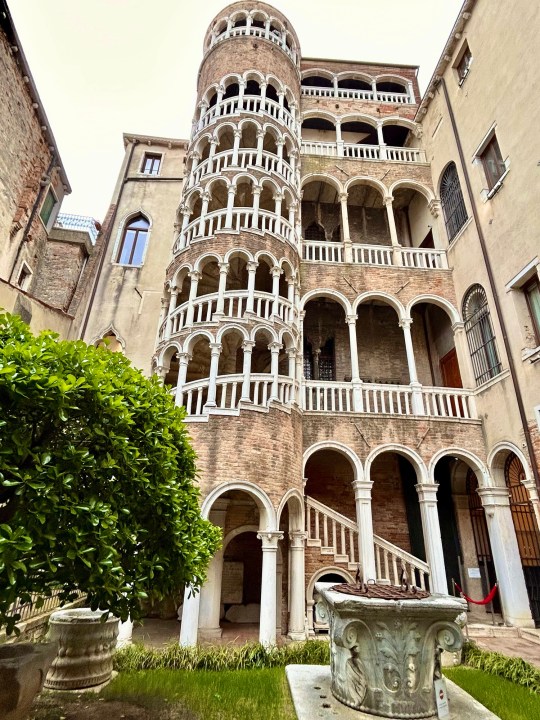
(314, 231)
(455, 213)
(480, 335)
(134, 241)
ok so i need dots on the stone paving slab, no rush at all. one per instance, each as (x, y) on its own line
(313, 699)
(515, 647)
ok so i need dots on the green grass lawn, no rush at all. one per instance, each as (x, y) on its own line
(503, 697)
(209, 695)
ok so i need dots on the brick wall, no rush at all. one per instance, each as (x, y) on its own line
(60, 269)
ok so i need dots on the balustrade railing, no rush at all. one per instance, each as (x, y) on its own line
(229, 392)
(247, 104)
(264, 34)
(247, 158)
(235, 305)
(241, 219)
(337, 535)
(350, 94)
(375, 398)
(361, 151)
(419, 258)
(32, 609)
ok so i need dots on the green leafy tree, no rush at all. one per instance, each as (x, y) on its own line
(97, 475)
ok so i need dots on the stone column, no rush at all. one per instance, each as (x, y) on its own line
(281, 96)
(335, 82)
(502, 535)
(374, 89)
(172, 308)
(416, 388)
(382, 144)
(211, 153)
(252, 269)
(297, 608)
(215, 350)
(241, 90)
(247, 347)
(393, 230)
(204, 209)
(427, 497)
(275, 347)
(278, 200)
(410, 88)
(210, 604)
(345, 230)
(276, 274)
(463, 355)
(194, 276)
(260, 143)
(194, 164)
(183, 360)
(190, 617)
(291, 354)
(355, 369)
(231, 192)
(280, 142)
(256, 199)
(366, 547)
(339, 139)
(263, 87)
(223, 270)
(236, 146)
(185, 222)
(268, 621)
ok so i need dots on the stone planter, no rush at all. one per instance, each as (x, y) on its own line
(385, 654)
(23, 668)
(85, 647)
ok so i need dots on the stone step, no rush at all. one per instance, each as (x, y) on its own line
(532, 634)
(478, 630)
(313, 542)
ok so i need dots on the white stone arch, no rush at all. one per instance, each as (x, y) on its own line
(392, 77)
(286, 338)
(287, 268)
(289, 94)
(258, 11)
(272, 79)
(270, 181)
(441, 302)
(275, 131)
(110, 330)
(339, 447)
(327, 293)
(411, 455)
(206, 137)
(268, 257)
(296, 518)
(210, 91)
(171, 345)
(384, 297)
(322, 177)
(205, 258)
(253, 74)
(469, 458)
(354, 75)
(222, 126)
(220, 179)
(317, 575)
(277, 23)
(238, 14)
(497, 459)
(237, 531)
(321, 72)
(230, 327)
(248, 121)
(182, 270)
(189, 342)
(322, 114)
(268, 330)
(267, 514)
(238, 252)
(366, 180)
(244, 174)
(359, 117)
(191, 197)
(231, 79)
(412, 185)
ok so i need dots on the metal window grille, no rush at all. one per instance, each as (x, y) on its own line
(455, 213)
(480, 335)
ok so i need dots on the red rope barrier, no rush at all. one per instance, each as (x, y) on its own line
(485, 601)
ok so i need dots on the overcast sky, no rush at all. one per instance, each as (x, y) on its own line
(104, 67)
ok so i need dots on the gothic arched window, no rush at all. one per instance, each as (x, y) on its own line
(480, 335)
(133, 242)
(454, 210)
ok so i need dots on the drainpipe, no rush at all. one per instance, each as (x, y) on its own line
(37, 203)
(491, 278)
(106, 241)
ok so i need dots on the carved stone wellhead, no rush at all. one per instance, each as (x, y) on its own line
(385, 653)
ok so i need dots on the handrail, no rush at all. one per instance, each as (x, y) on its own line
(349, 93)
(246, 104)
(275, 37)
(246, 157)
(364, 151)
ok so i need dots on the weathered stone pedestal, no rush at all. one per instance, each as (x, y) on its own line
(385, 654)
(22, 671)
(85, 647)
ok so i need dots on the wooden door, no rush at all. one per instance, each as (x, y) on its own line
(451, 376)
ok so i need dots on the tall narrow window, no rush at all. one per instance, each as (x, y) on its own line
(493, 163)
(532, 294)
(480, 335)
(151, 164)
(455, 213)
(464, 64)
(48, 206)
(134, 241)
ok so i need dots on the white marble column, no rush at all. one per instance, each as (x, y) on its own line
(241, 90)
(366, 547)
(185, 222)
(223, 270)
(427, 497)
(260, 143)
(256, 199)
(355, 368)
(275, 347)
(416, 388)
(504, 547)
(291, 354)
(204, 209)
(339, 139)
(276, 274)
(382, 144)
(172, 307)
(252, 270)
(195, 157)
(345, 230)
(194, 276)
(211, 153)
(297, 590)
(388, 203)
(231, 192)
(183, 362)
(210, 605)
(268, 621)
(236, 146)
(190, 617)
(464, 359)
(279, 147)
(247, 347)
(215, 350)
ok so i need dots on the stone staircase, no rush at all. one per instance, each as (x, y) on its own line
(337, 536)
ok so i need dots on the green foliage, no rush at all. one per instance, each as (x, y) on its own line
(512, 668)
(237, 695)
(98, 476)
(224, 657)
(504, 698)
